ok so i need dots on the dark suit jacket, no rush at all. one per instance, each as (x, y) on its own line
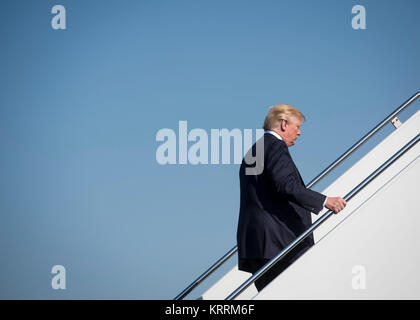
(275, 207)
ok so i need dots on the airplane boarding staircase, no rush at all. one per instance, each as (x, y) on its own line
(370, 250)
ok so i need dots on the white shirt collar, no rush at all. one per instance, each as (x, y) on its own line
(274, 134)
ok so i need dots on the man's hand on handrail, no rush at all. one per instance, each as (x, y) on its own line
(335, 204)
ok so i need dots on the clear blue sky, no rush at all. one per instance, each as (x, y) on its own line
(80, 109)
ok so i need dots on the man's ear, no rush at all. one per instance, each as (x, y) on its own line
(283, 124)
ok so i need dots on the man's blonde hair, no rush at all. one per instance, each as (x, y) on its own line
(280, 112)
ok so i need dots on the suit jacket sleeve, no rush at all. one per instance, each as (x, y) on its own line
(281, 171)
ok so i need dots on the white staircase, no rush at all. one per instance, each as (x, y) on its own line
(370, 250)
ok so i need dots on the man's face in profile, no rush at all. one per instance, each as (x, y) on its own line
(290, 131)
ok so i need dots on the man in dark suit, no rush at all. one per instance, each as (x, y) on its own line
(275, 205)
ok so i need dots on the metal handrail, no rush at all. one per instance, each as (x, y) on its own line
(362, 141)
(208, 272)
(317, 179)
(322, 219)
